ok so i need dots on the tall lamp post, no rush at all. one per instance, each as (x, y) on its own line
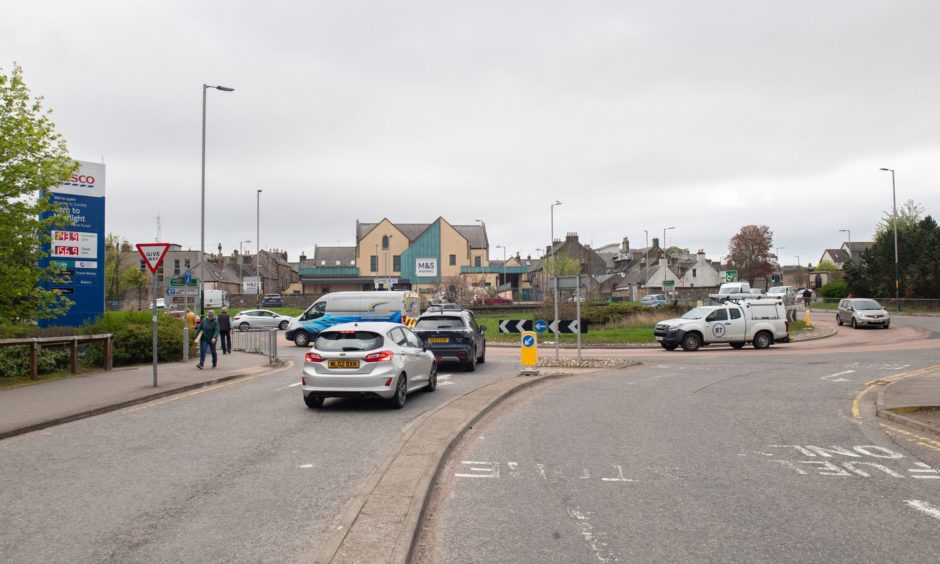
(554, 275)
(848, 232)
(241, 261)
(202, 228)
(897, 273)
(666, 259)
(779, 263)
(260, 289)
(503, 247)
(646, 282)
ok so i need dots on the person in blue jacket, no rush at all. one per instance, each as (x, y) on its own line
(210, 336)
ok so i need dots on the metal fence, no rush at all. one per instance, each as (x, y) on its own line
(908, 305)
(260, 341)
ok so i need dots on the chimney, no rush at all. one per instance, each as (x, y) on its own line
(625, 246)
(655, 242)
(303, 256)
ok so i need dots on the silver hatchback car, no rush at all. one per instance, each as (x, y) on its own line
(862, 312)
(367, 359)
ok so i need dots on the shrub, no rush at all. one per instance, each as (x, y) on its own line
(836, 289)
(14, 360)
(133, 338)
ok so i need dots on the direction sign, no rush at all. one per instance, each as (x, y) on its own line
(515, 325)
(730, 274)
(188, 276)
(568, 326)
(541, 326)
(153, 254)
(182, 291)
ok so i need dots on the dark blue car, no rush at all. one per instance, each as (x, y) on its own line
(272, 300)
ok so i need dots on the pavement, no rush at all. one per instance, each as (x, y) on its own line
(391, 504)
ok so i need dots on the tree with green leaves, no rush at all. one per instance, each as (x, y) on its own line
(918, 258)
(33, 158)
(750, 253)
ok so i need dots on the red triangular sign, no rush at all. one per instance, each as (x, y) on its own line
(153, 254)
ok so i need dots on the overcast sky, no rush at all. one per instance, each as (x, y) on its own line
(705, 116)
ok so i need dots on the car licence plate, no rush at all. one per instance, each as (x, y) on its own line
(439, 340)
(343, 364)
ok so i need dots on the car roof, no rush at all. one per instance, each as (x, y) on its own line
(377, 326)
(446, 313)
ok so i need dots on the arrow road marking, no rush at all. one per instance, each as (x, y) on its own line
(924, 507)
(833, 377)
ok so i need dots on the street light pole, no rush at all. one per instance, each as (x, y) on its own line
(202, 222)
(646, 282)
(897, 273)
(849, 232)
(241, 260)
(779, 263)
(555, 275)
(666, 259)
(260, 289)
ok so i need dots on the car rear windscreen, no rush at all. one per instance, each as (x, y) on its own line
(348, 341)
(432, 323)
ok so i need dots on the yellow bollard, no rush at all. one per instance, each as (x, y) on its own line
(807, 317)
(530, 353)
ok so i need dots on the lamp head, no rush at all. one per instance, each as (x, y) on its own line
(225, 89)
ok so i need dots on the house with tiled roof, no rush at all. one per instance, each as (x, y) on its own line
(848, 251)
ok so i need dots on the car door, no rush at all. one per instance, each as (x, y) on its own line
(734, 330)
(422, 359)
(716, 325)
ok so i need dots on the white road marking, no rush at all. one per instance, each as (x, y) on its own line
(924, 469)
(594, 538)
(833, 377)
(306, 465)
(924, 507)
(295, 385)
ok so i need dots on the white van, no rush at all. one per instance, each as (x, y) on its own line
(216, 299)
(344, 307)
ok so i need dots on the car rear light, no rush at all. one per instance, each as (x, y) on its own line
(313, 357)
(383, 356)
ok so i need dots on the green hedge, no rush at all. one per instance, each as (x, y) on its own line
(132, 340)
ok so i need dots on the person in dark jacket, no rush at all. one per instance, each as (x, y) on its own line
(209, 326)
(225, 330)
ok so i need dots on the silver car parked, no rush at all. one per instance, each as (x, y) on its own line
(260, 319)
(862, 312)
(367, 359)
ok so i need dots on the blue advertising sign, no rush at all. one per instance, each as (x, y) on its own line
(80, 246)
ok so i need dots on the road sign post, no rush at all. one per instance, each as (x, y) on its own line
(153, 254)
(529, 353)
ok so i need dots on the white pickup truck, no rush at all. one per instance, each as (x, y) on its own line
(761, 321)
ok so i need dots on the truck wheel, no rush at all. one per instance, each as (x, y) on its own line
(738, 345)
(762, 340)
(301, 339)
(691, 342)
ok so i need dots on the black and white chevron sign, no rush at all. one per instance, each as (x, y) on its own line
(563, 326)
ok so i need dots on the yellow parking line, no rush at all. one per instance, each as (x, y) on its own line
(190, 394)
(887, 380)
(912, 437)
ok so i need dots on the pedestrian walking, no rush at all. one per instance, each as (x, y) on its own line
(190, 319)
(225, 330)
(807, 297)
(209, 336)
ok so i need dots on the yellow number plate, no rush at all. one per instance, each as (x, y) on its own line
(343, 364)
(438, 340)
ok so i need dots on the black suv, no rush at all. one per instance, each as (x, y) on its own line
(453, 336)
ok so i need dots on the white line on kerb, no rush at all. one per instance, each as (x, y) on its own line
(924, 507)
(295, 385)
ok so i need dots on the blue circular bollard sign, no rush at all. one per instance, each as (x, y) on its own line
(528, 341)
(187, 276)
(541, 326)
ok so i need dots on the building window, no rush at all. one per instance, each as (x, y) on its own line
(385, 239)
(374, 263)
(453, 260)
(693, 273)
(396, 263)
(477, 261)
(186, 264)
(176, 267)
(143, 265)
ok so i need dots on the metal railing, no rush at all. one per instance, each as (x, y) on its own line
(259, 341)
(908, 305)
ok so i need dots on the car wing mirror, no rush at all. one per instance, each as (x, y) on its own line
(482, 328)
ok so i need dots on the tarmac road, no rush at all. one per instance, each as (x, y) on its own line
(717, 455)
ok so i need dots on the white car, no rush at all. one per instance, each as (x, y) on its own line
(260, 319)
(367, 359)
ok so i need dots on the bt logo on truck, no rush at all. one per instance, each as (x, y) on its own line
(81, 181)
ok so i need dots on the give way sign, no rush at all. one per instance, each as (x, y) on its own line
(153, 254)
